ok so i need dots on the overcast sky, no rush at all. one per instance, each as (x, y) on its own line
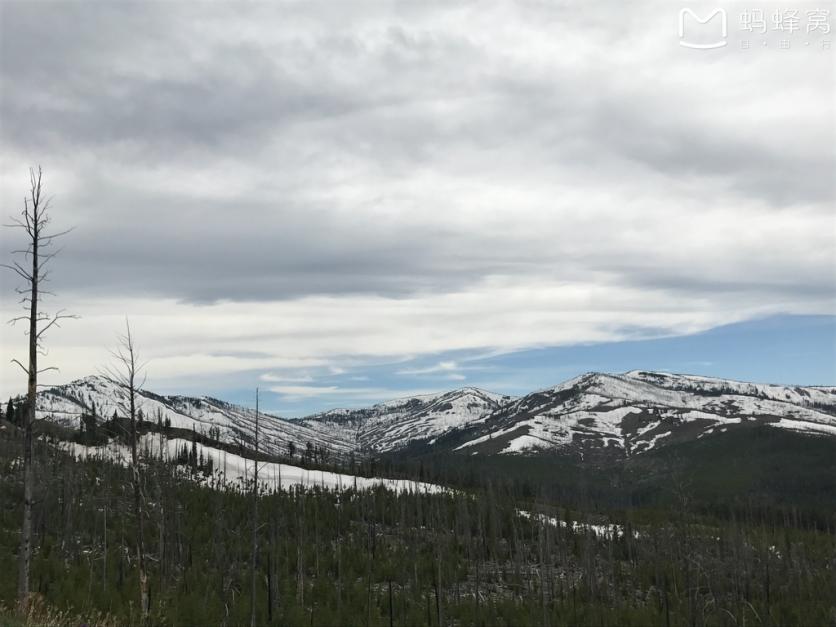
(343, 201)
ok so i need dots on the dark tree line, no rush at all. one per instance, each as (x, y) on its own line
(377, 557)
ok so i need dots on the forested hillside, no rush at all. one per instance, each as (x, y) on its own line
(553, 543)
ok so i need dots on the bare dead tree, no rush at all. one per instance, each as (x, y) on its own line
(255, 516)
(33, 269)
(128, 373)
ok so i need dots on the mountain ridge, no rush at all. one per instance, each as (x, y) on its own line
(617, 414)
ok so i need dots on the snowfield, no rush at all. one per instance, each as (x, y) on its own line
(235, 471)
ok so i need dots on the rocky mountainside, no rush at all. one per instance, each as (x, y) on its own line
(622, 415)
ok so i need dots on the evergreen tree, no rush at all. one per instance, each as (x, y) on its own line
(193, 453)
(88, 426)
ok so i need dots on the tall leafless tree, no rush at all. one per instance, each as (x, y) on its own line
(128, 373)
(255, 518)
(33, 269)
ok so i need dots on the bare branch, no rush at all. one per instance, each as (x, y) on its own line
(15, 361)
(55, 321)
(48, 238)
(15, 267)
(49, 256)
(16, 224)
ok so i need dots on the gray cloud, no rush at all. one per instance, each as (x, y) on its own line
(265, 152)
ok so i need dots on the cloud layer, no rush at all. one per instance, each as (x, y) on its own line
(283, 185)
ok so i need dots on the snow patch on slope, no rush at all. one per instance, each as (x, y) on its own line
(235, 471)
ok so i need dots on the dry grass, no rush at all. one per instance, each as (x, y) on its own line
(42, 615)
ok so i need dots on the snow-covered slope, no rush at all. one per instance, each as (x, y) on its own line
(235, 471)
(231, 423)
(383, 427)
(637, 411)
(394, 424)
(805, 396)
(623, 414)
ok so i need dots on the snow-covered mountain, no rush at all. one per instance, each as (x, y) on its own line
(637, 411)
(230, 423)
(624, 414)
(394, 424)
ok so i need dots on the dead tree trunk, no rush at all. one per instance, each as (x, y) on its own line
(25, 559)
(34, 221)
(126, 374)
(255, 517)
